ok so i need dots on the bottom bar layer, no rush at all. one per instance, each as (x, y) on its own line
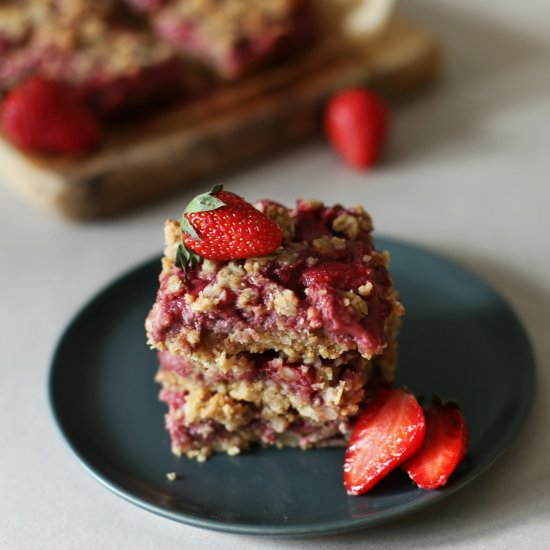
(210, 415)
(201, 421)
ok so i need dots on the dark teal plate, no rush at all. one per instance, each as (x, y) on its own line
(459, 340)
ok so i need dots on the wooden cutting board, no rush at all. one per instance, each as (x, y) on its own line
(144, 160)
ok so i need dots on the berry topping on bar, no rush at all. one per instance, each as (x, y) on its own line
(220, 225)
(388, 431)
(444, 446)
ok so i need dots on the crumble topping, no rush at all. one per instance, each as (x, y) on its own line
(248, 296)
(222, 23)
(203, 302)
(329, 245)
(174, 284)
(353, 224)
(280, 215)
(193, 337)
(285, 303)
(366, 289)
(311, 204)
(356, 303)
(201, 404)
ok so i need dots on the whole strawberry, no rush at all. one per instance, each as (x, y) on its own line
(220, 225)
(356, 124)
(47, 116)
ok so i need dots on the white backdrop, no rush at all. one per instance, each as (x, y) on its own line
(467, 174)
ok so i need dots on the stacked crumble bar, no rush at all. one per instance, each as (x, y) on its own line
(281, 349)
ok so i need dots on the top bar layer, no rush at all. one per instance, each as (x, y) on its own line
(325, 292)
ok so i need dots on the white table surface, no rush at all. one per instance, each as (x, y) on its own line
(467, 175)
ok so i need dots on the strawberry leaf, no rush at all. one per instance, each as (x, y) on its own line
(187, 259)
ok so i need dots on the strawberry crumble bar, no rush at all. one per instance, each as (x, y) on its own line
(233, 36)
(282, 349)
(114, 63)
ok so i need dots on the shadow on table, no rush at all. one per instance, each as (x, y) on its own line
(487, 68)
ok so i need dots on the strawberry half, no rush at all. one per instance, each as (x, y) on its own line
(388, 431)
(48, 116)
(220, 225)
(356, 124)
(444, 446)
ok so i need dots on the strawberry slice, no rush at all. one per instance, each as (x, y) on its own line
(444, 446)
(388, 431)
